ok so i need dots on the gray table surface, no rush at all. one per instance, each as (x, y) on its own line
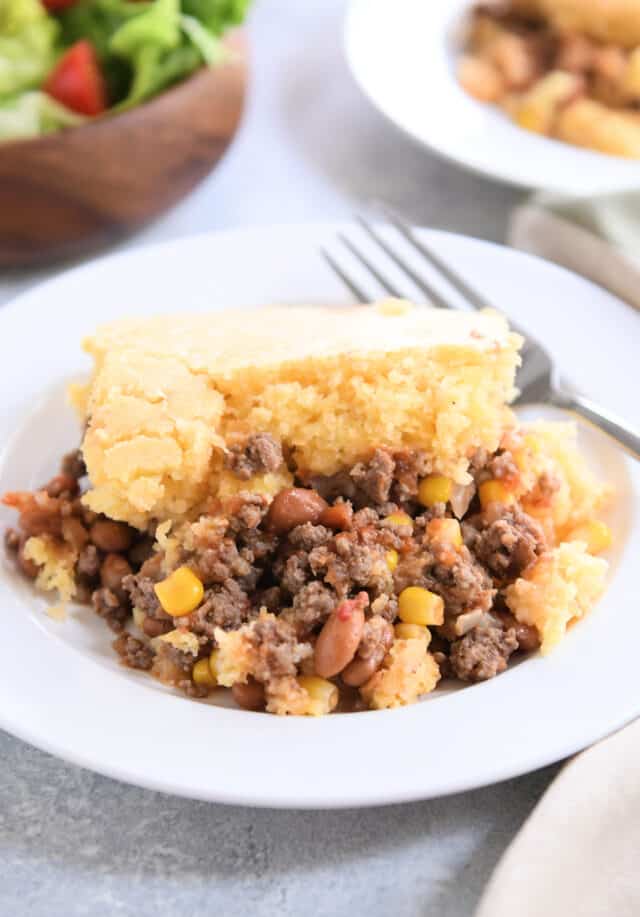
(73, 843)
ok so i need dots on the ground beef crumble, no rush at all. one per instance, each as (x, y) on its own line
(133, 652)
(226, 606)
(505, 540)
(142, 595)
(302, 575)
(261, 453)
(108, 606)
(377, 637)
(278, 650)
(482, 653)
(312, 605)
(374, 478)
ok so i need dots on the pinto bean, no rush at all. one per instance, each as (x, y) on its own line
(45, 521)
(337, 517)
(74, 532)
(111, 536)
(140, 552)
(249, 696)
(376, 642)
(340, 637)
(73, 464)
(294, 506)
(113, 570)
(153, 627)
(12, 540)
(527, 637)
(62, 484)
(360, 670)
(152, 567)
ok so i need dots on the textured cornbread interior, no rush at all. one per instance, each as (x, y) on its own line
(169, 394)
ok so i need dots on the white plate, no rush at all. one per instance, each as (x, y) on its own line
(60, 685)
(403, 54)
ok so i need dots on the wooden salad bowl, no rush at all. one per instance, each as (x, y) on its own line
(69, 193)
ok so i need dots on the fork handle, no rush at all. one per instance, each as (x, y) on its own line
(601, 418)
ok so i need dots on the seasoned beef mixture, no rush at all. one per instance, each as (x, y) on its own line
(484, 652)
(261, 453)
(505, 540)
(329, 554)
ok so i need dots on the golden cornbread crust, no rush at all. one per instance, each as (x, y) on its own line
(170, 394)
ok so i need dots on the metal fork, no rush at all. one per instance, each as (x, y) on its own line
(537, 379)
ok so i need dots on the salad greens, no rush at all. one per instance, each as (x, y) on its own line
(62, 61)
(27, 45)
(33, 113)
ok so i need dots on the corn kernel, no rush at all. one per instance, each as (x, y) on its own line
(419, 606)
(392, 559)
(596, 535)
(202, 674)
(399, 519)
(434, 489)
(445, 531)
(323, 693)
(411, 632)
(494, 492)
(180, 593)
(213, 664)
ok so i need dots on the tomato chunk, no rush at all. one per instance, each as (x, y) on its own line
(54, 5)
(77, 81)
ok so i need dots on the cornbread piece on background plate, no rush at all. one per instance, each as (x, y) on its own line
(614, 21)
(171, 395)
(597, 127)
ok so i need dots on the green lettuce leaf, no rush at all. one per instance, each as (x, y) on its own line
(31, 114)
(144, 47)
(157, 27)
(97, 20)
(209, 46)
(217, 15)
(27, 45)
(15, 15)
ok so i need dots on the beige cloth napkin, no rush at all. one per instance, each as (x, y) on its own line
(578, 855)
(597, 237)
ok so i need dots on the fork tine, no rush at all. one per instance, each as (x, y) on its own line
(349, 282)
(436, 298)
(384, 282)
(457, 282)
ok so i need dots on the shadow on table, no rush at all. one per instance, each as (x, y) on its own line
(72, 842)
(342, 134)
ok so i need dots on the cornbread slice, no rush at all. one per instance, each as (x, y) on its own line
(595, 126)
(612, 21)
(560, 588)
(170, 394)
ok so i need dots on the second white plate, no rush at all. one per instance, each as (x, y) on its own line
(403, 54)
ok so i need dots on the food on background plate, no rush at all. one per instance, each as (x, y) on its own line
(316, 508)
(568, 69)
(63, 62)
